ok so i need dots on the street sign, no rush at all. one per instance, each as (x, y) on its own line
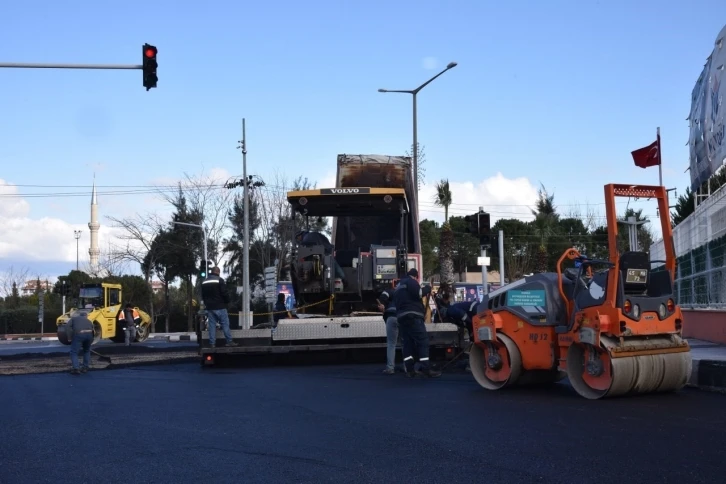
(41, 301)
(270, 283)
(483, 261)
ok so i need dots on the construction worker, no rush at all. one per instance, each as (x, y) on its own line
(129, 319)
(385, 304)
(280, 309)
(216, 299)
(460, 313)
(79, 330)
(410, 313)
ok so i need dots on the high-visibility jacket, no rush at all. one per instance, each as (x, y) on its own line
(134, 313)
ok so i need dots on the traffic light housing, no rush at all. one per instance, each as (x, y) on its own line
(149, 65)
(205, 267)
(479, 226)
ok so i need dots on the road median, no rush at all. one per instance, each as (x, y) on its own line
(56, 363)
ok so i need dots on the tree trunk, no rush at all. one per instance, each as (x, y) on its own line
(190, 314)
(446, 245)
(152, 311)
(167, 306)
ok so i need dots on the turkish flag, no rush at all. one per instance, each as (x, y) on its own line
(648, 156)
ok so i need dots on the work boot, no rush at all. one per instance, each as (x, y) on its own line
(84, 369)
(431, 373)
(74, 371)
(389, 371)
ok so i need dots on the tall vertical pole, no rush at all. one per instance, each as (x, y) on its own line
(501, 258)
(660, 159)
(415, 158)
(484, 271)
(484, 278)
(77, 235)
(246, 323)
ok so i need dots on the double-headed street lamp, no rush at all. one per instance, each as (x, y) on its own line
(414, 92)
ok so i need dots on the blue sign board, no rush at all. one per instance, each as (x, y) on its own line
(285, 288)
(531, 297)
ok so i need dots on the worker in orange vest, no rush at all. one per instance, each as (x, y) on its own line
(129, 320)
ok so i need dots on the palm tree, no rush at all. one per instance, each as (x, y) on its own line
(443, 198)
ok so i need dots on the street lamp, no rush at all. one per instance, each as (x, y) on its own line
(77, 235)
(204, 232)
(414, 92)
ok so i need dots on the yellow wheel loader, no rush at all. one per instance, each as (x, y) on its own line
(103, 304)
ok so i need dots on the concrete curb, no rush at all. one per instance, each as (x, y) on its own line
(708, 375)
(29, 338)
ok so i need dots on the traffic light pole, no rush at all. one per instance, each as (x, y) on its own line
(25, 65)
(148, 66)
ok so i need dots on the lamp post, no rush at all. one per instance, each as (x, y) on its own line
(414, 92)
(77, 235)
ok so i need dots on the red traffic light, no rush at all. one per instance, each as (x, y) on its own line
(150, 53)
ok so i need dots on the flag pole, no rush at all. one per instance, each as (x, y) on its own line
(660, 159)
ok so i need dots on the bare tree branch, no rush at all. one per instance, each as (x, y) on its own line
(207, 196)
(274, 213)
(13, 276)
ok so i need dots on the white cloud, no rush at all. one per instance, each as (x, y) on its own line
(51, 239)
(43, 239)
(501, 197)
(430, 63)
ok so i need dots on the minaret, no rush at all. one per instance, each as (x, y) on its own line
(94, 251)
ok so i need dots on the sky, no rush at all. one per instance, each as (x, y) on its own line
(555, 93)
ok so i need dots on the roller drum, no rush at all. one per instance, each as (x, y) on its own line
(630, 375)
(498, 370)
(62, 335)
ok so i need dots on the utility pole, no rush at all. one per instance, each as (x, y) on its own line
(501, 258)
(246, 323)
(484, 258)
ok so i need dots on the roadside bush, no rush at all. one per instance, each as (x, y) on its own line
(25, 320)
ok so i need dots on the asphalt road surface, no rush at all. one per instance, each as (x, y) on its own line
(50, 347)
(346, 423)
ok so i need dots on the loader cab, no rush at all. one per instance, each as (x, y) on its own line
(368, 251)
(91, 296)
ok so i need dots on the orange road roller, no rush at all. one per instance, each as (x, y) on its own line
(612, 327)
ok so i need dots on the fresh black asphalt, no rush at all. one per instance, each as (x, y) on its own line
(344, 424)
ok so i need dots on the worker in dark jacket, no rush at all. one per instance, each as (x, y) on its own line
(279, 310)
(461, 314)
(389, 317)
(79, 330)
(410, 313)
(216, 298)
